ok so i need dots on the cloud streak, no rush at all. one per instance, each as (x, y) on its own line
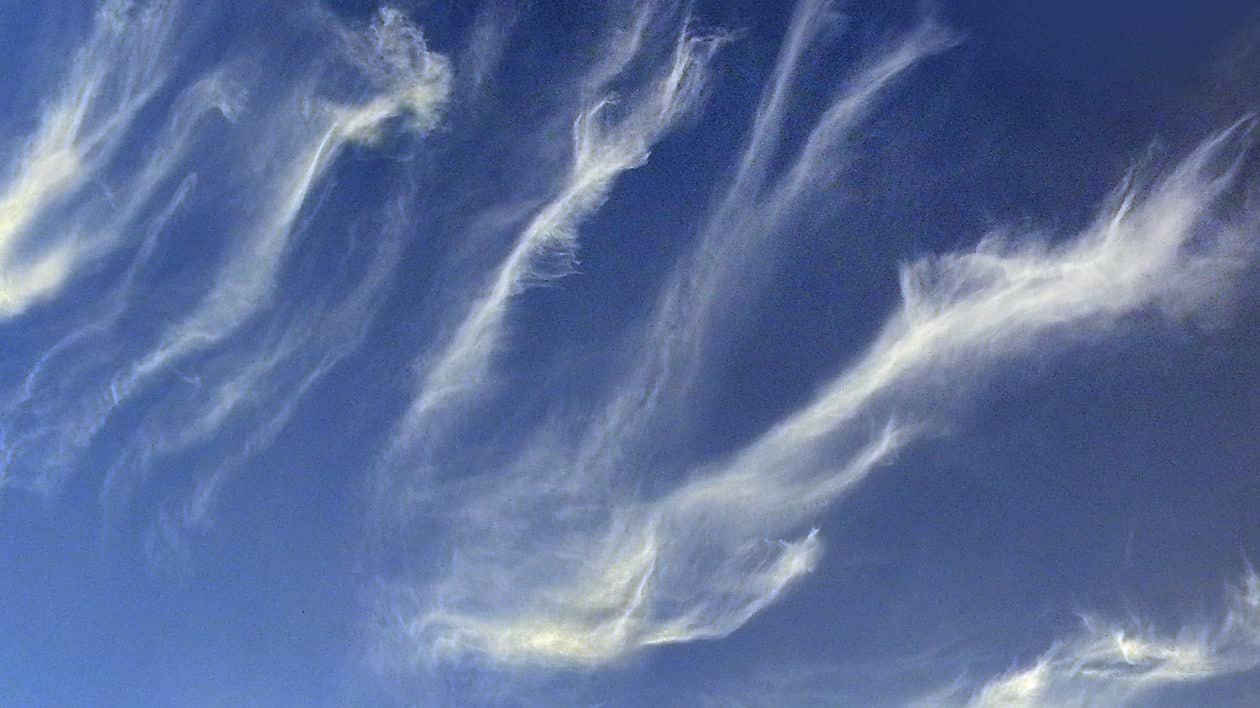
(609, 137)
(745, 228)
(413, 83)
(59, 168)
(1108, 663)
(322, 244)
(368, 80)
(552, 566)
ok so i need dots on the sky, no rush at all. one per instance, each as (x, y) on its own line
(629, 353)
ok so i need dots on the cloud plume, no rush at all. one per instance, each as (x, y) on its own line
(1116, 664)
(609, 137)
(59, 168)
(372, 76)
(553, 566)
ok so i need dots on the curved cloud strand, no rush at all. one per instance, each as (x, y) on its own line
(1108, 663)
(558, 568)
(113, 75)
(414, 84)
(746, 227)
(262, 387)
(366, 81)
(608, 138)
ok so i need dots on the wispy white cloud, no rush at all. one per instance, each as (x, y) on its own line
(577, 550)
(552, 566)
(412, 82)
(609, 137)
(364, 80)
(303, 131)
(491, 32)
(254, 391)
(116, 72)
(1110, 663)
(743, 231)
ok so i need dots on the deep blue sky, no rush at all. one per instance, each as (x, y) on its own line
(621, 354)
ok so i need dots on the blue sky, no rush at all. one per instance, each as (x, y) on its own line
(637, 353)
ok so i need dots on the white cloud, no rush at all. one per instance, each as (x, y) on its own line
(489, 37)
(744, 229)
(1107, 663)
(553, 565)
(119, 68)
(564, 556)
(280, 147)
(609, 137)
(411, 82)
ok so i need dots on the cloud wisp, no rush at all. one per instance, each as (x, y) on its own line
(609, 137)
(412, 82)
(347, 248)
(1110, 663)
(552, 566)
(747, 225)
(61, 168)
(367, 80)
(52, 161)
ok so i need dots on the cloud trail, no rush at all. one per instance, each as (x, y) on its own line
(742, 232)
(1107, 663)
(414, 83)
(554, 567)
(366, 81)
(117, 71)
(608, 138)
(255, 392)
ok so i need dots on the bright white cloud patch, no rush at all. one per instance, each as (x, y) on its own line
(280, 146)
(60, 167)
